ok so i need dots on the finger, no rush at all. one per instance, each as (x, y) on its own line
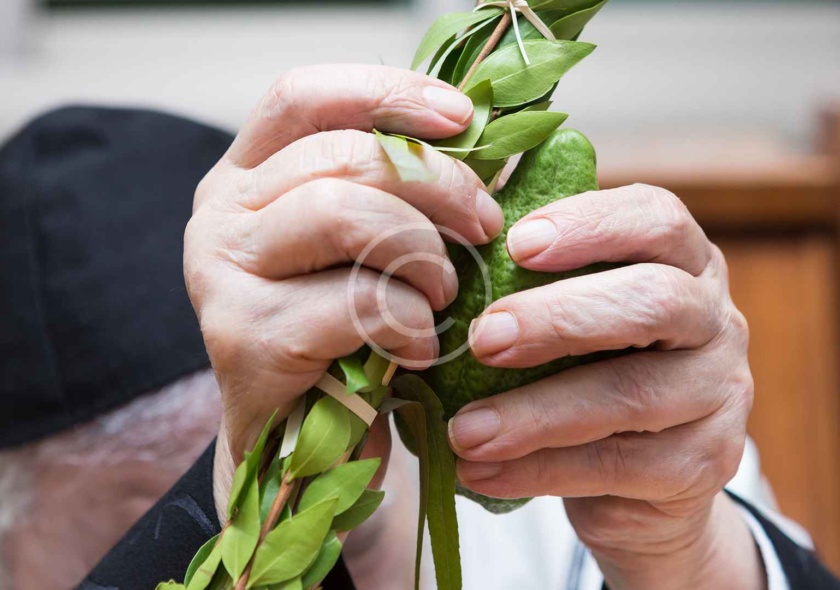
(305, 322)
(636, 223)
(633, 306)
(456, 199)
(329, 222)
(643, 392)
(327, 97)
(682, 461)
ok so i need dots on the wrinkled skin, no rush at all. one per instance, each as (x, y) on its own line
(640, 446)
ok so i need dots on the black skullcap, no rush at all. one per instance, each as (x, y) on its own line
(93, 308)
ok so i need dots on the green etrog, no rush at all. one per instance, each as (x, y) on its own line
(562, 166)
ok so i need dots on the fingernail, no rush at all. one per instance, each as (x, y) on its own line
(450, 281)
(453, 105)
(473, 428)
(489, 214)
(472, 471)
(493, 333)
(528, 239)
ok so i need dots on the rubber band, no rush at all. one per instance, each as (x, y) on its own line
(389, 373)
(353, 402)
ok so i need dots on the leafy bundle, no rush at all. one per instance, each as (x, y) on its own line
(303, 483)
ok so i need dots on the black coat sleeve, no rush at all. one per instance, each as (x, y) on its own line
(161, 544)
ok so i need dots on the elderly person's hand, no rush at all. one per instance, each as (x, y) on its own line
(639, 446)
(280, 220)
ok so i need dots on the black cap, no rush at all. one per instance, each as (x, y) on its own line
(93, 308)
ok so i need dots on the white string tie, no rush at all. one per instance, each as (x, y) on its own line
(521, 6)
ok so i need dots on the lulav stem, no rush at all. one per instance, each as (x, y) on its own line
(494, 39)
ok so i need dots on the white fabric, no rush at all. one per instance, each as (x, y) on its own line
(776, 579)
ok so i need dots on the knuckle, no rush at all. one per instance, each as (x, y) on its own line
(718, 464)
(661, 295)
(293, 350)
(567, 325)
(399, 92)
(248, 185)
(607, 459)
(718, 265)
(280, 98)
(417, 313)
(729, 461)
(334, 206)
(743, 389)
(673, 218)
(348, 153)
(657, 195)
(199, 270)
(537, 416)
(224, 340)
(740, 329)
(199, 281)
(605, 523)
(635, 382)
(364, 291)
(545, 471)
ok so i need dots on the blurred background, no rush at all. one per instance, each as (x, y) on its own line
(735, 106)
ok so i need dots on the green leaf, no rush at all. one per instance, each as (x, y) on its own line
(345, 482)
(326, 560)
(516, 83)
(444, 68)
(537, 107)
(170, 585)
(203, 566)
(292, 547)
(445, 49)
(440, 502)
(571, 26)
(240, 538)
(358, 428)
(445, 63)
(485, 169)
(270, 486)
(447, 26)
(323, 438)
(240, 476)
(375, 368)
(295, 584)
(221, 581)
(246, 471)
(563, 7)
(469, 54)
(359, 512)
(406, 156)
(517, 133)
(354, 373)
(482, 98)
